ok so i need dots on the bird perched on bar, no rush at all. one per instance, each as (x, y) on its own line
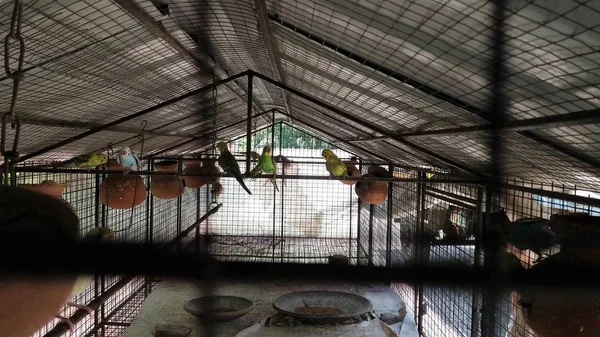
(129, 159)
(98, 234)
(532, 234)
(28, 221)
(266, 164)
(229, 164)
(333, 164)
(88, 161)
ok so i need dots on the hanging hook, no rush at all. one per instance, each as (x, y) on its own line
(109, 149)
(140, 135)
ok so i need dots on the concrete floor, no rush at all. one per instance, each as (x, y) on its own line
(165, 305)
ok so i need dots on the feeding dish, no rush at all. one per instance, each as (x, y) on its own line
(322, 307)
(219, 308)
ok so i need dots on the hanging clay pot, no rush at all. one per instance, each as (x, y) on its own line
(48, 187)
(165, 186)
(122, 191)
(210, 168)
(194, 167)
(373, 192)
(352, 172)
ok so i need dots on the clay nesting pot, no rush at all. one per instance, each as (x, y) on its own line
(194, 167)
(352, 172)
(122, 191)
(48, 187)
(373, 192)
(166, 186)
(210, 168)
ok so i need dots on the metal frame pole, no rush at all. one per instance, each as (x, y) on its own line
(388, 243)
(249, 124)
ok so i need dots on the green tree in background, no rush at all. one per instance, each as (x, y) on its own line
(291, 138)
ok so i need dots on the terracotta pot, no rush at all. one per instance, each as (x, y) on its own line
(167, 187)
(48, 187)
(211, 168)
(352, 172)
(371, 192)
(194, 167)
(122, 191)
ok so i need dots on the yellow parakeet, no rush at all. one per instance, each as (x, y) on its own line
(333, 164)
(89, 160)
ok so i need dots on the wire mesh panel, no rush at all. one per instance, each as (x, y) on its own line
(305, 221)
(449, 228)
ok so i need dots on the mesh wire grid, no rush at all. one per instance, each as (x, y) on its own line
(396, 66)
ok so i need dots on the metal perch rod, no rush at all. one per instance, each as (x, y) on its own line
(279, 176)
(79, 315)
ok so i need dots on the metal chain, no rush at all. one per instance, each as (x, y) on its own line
(12, 156)
(142, 138)
(214, 115)
(214, 138)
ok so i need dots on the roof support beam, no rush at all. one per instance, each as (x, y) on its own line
(88, 126)
(208, 134)
(263, 27)
(367, 124)
(131, 7)
(568, 119)
(132, 116)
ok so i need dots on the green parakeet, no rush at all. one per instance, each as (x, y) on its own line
(333, 164)
(98, 234)
(229, 164)
(266, 164)
(89, 160)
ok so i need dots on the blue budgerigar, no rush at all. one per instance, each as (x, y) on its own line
(129, 159)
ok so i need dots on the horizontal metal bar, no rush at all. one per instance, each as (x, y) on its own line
(449, 200)
(209, 134)
(555, 195)
(279, 176)
(132, 116)
(138, 259)
(89, 126)
(451, 195)
(561, 120)
(114, 324)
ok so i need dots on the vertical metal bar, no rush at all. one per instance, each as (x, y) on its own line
(97, 210)
(358, 243)
(151, 225)
(416, 235)
(388, 243)
(179, 198)
(477, 290)
(249, 124)
(197, 236)
(274, 191)
(371, 211)
(350, 227)
(282, 188)
(423, 258)
(497, 111)
(104, 223)
(148, 219)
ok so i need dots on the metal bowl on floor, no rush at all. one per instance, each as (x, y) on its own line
(322, 307)
(219, 308)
